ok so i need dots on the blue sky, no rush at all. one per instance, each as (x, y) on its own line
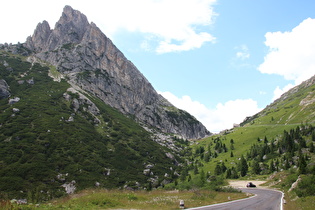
(220, 60)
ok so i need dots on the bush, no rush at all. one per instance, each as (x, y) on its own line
(306, 187)
(228, 189)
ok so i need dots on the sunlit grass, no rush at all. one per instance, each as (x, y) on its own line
(119, 199)
(54, 73)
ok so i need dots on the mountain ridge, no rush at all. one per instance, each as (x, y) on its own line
(305, 97)
(90, 60)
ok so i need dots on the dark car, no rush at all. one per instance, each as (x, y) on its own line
(250, 184)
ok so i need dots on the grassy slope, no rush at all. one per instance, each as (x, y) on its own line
(271, 122)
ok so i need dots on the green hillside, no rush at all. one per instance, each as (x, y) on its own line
(276, 143)
(294, 111)
(47, 140)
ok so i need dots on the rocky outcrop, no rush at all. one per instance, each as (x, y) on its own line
(14, 100)
(4, 89)
(92, 62)
(81, 101)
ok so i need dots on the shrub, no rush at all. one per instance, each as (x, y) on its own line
(306, 187)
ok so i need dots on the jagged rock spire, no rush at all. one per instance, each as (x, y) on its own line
(37, 42)
(70, 28)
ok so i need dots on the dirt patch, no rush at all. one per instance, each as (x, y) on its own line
(242, 183)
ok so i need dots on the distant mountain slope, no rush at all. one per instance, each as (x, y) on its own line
(82, 53)
(296, 106)
(280, 137)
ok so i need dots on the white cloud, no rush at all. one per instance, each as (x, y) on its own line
(243, 52)
(240, 59)
(174, 23)
(223, 116)
(278, 91)
(291, 54)
(191, 41)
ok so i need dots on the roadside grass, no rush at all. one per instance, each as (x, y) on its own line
(283, 181)
(121, 199)
(306, 203)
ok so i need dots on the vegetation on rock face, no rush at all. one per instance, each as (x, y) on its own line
(49, 138)
(178, 116)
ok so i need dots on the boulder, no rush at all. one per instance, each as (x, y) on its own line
(146, 172)
(14, 100)
(70, 187)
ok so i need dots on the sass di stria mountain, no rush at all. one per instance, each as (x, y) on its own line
(75, 113)
(80, 51)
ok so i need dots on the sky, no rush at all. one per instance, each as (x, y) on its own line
(220, 60)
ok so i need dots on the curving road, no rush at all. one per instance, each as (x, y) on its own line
(263, 199)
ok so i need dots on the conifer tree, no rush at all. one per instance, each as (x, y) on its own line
(183, 175)
(286, 164)
(312, 149)
(272, 167)
(228, 173)
(256, 168)
(302, 165)
(196, 171)
(207, 157)
(202, 177)
(234, 173)
(217, 170)
(265, 140)
(243, 166)
(189, 178)
(223, 167)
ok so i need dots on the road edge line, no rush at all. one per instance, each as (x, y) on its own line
(217, 204)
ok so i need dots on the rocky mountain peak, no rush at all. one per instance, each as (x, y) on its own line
(83, 53)
(70, 28)
(71, 25)
(40, 36)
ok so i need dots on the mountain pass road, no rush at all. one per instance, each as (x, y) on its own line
(262, 199)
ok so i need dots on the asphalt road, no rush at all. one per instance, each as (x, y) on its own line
(263, 199)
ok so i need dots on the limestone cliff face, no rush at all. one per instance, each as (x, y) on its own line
(91, 61)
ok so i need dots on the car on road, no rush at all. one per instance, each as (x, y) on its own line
(250, 184)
